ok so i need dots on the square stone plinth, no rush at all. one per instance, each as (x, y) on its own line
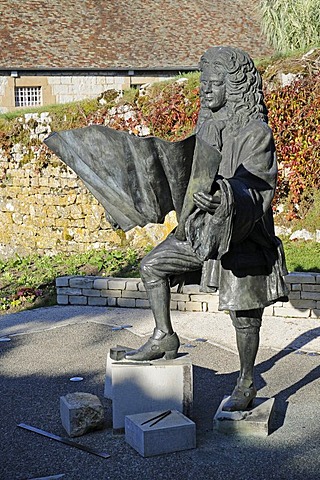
(138, 387)
(254, 421)
(173, 433)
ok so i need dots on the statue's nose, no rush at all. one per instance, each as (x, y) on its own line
(208, 87)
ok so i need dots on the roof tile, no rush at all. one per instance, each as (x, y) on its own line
(107, 34)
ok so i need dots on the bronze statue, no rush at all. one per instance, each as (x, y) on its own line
(225, 236)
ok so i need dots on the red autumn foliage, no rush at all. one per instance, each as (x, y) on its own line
(294, 116)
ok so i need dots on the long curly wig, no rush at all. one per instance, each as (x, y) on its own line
(243, 86)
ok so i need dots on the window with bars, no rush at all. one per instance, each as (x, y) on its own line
(27, 96)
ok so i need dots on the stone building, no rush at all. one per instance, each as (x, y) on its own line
(61, 51)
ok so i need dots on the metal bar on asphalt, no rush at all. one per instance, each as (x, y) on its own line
(66, 441)
(51, 477)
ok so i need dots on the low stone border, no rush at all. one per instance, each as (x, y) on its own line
(304, 297)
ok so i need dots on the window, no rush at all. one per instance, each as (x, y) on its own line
(27, 96)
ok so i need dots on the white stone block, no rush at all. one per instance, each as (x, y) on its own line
(294, 295)
(97, 301)
(192, 289)
(193, 306)
(173, 305)
(300, 277)
(68, 291)
(101, 283)
(81, 282)
(117, 284)
(310, 295)
(138, 387)
(180, 297)
(213, 306)
(111, 293)
(81, 412)
(141, 287)
(90, 292)
(201, 297)
(62, 299)
(140, 303)
(62, 281)
(132, 284)
(302, 303)
(268, 311)
(112, 302)
(127, 302)
(134, 294)
(60, 89)
(182, 306)
(78, 300)
(311, 288)
(173, 433)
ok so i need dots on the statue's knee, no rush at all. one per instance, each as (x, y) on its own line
(247, 322)
(145, 269)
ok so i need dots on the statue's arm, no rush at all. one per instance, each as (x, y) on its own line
(253, 184)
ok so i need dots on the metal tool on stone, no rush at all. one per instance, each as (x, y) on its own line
(66, 441)
(157, 418)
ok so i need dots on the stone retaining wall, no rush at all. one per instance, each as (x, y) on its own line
(304, 297)
(45, 207)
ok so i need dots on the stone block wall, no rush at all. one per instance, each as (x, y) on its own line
(44, 207)
(49, 212)
(71, 88)
(304, 296)
(62, 87)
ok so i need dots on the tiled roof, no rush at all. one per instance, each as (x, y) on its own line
(46, 34)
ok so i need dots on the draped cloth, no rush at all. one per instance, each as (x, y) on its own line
(137, 180)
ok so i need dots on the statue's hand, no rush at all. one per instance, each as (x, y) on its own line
(207, 202)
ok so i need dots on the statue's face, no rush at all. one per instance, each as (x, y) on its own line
(213, 88)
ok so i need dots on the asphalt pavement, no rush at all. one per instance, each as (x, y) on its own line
(42, 349)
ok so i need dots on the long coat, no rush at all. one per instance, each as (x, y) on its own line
(249, 269)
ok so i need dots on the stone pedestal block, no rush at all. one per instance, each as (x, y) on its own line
(80, 413)
(137, 387)
(254, 421)
(173, 433)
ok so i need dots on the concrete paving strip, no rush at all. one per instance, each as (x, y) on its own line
(277, 332)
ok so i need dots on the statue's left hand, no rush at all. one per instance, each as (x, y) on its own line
(207, 202)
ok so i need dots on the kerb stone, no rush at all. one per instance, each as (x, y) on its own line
(173, 433)
(255, 421)
(81, 412)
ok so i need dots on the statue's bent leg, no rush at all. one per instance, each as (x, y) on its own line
(171, 257)
(247, 324)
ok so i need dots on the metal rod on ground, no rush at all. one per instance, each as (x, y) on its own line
(66, 441)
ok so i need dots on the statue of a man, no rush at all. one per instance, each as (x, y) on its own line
(221, 182)
(229, 242)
